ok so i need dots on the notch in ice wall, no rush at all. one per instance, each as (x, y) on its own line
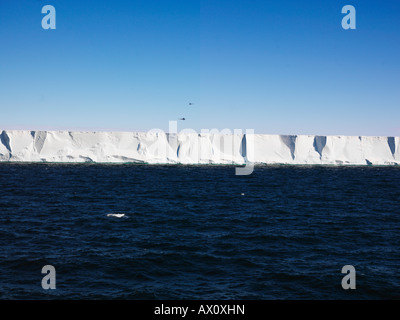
(243, 147)
(319, 144)
(392, 145)
(5, 140)
(40, 138)
(290, 142)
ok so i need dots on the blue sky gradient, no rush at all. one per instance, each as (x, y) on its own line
(278, 67)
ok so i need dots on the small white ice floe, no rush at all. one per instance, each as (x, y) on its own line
(242, 194)
(117, 215)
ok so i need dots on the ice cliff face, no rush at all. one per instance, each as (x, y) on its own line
(193, 148)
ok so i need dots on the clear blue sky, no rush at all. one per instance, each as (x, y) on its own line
(278, 67)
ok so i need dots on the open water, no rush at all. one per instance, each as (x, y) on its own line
(198, 232)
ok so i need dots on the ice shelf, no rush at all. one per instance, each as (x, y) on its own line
(194, 148)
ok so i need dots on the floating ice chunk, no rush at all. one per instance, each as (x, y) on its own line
(117, 215)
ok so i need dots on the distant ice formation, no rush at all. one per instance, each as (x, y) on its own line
(193, 148)
(116, 215)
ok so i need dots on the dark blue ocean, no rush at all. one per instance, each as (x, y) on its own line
(199, 232)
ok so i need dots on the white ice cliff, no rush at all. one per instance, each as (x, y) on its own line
(194, 148)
